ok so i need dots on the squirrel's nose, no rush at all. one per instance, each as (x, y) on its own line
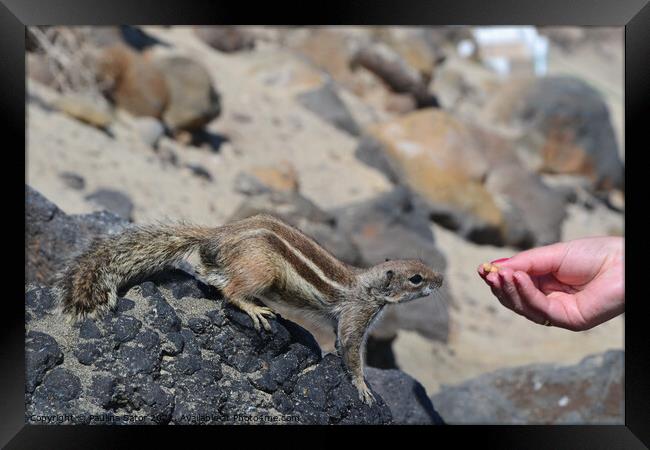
(436, 282)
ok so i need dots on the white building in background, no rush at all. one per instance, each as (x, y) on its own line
(509, 50)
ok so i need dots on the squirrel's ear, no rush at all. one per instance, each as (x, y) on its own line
(388, 279)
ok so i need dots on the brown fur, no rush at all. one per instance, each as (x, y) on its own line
(255, 258)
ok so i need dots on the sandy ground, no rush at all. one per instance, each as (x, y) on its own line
(484, 335)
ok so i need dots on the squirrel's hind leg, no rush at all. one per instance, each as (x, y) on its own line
(242, 285)
(247, 304)
(241, 276)
(232, 295)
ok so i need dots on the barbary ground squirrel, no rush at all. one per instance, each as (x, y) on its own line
(260, 257)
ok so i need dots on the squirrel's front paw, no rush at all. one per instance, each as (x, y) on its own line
(364, 393)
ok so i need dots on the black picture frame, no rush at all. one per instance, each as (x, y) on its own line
(634, 15)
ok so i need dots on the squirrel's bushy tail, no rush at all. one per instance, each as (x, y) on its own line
(90, 283)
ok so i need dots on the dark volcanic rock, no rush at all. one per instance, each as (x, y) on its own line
(323, 394)
(42, 353)
(326, 104)
(114, 201)
(126, 328)
(87, 353)
(52, 236)
(73, 180)
(182, 286)
(213, 373)
(406, 397)
(395, 214)
(535, 211)
(124, 304)
(370, 151)
(59, 384)
(89, 330)
(39, 301)
(566, 125)
(590, 392)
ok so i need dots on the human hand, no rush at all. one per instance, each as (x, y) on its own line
(574, 285)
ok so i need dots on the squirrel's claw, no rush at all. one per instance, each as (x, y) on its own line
(257, 315)
(364, 393)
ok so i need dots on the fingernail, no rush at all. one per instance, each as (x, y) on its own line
(499, 260)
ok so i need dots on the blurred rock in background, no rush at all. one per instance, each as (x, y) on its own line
(588, 392)
(226, 39)
(470, 180)
(565, 127)
(193, 101)
(133, 82)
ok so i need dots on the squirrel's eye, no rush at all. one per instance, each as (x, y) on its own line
(416, 279)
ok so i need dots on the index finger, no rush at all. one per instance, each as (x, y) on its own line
(537, 261)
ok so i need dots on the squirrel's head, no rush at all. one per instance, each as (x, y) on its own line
(401, 280)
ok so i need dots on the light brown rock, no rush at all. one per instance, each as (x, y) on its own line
(394, 71)
(411, 44)
(400, 103)
(328, 50)
(282, 177)
(439, 158)
(565, 123)
(135, 83)
(193, 101)
(93, 111)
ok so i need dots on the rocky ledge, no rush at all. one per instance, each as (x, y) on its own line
(173, 352)
(588, 392)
